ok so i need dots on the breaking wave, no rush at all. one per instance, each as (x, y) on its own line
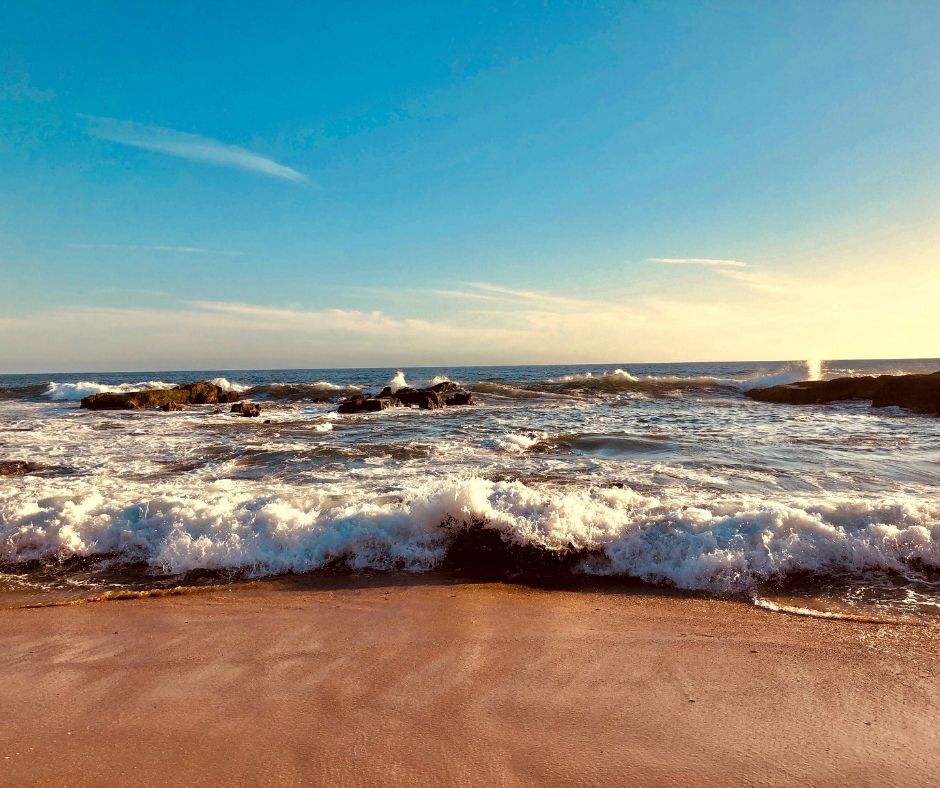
(718, 546)
(790, 373)
(619, 381)
(85, 388)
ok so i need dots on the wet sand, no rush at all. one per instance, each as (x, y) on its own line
(436, 682)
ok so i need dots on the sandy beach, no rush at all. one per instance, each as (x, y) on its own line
(388, 681)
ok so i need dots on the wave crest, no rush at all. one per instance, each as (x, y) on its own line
(722, 546)
(85, 388)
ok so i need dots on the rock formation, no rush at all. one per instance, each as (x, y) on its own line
(918, 393)
(440, 395)
(200, 393)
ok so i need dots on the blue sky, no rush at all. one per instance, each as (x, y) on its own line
(214, 186)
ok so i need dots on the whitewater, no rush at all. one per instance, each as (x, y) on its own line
(665, 474)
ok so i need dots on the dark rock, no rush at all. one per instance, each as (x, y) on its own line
(205, 393)
(427, 399)
(172, 406)
(458, 398)
(249, 409)
(485, 553)
(437, 396)
(352, 404)
(381, 403)
(136, 400)
(919, 393)
(200, 393)
(362, 403)
(17, 467)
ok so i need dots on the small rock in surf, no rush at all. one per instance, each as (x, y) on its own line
(249, 409)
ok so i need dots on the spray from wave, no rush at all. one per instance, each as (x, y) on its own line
(794, 372)
(398, 382)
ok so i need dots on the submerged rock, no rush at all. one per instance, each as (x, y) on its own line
(427, 399)
(200, 393)
(918, 393)
(485, 553)
(17, 467)
(172, 406)
(249, 409)
(458, 398)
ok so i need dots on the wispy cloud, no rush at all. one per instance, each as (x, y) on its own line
(763, 281)
(524, 299)
(798, 316)
(706, 261)
(158, 248)
(187, 146)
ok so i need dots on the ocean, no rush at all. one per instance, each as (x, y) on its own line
(661, 474)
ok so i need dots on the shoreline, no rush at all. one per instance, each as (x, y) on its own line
(395, 681)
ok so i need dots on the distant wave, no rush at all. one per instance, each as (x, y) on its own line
(294, 392)
(85, 388)
(719, 546)
(619, 381)
(507, 390)
(789, 373)
(23, 392)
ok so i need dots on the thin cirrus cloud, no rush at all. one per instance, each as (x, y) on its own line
(706, 261)
(158, 248)
(186, 146)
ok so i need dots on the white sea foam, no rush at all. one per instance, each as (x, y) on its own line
(84, 388)
(440, 379)
(508, 391)
(513, 442)
(623, 381)
(227, 385)
(618, 375)
(319, 385)
(722, 546)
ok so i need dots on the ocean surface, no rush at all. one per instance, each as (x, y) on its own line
(662, 473)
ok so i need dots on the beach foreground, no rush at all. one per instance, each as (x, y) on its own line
(431, 681)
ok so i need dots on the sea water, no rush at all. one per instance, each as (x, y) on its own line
(662, 473)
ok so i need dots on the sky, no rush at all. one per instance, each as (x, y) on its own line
(209, 186)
